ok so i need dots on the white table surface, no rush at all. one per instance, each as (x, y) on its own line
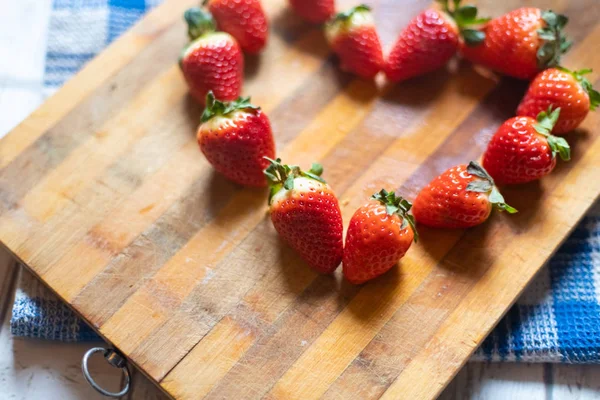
(43, 370)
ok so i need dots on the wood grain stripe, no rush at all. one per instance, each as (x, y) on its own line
(255, 298)
(72, 259)
(111, 190)
(57, 192)
(319, 355)
(359, 324)
(421, 260)
(272, 97)
(225, 190)
(209, 367)
(92, 79)
(335, 162)
(103, 75)
(344, 112)
(142, 208)
(381, 369)
(51, 148)
(481, 319)
(108, 144)
(121, 86)
(200, 279)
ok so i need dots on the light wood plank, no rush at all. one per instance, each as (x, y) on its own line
(200, 274)
(90, 78)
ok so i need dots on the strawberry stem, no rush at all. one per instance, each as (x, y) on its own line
(465, 17)
(546, 122)
(487, 185)
(215, 107)
(281, 176)
(555, 43)
(399, 206)
(199, 22)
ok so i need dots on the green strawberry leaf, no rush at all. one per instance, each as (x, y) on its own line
(480, 186)
(391, 209)
(399, 206)
(466, 13)
(316, 169)
(559, 146)
(289, 183)
(550, 18)
(405, 204)
(199, 22)
(555, 43)
(565, 46)
(466, 16)
(593, 94)
(473, 37)
(497, 201)
(272, 192)
(546, 35)
(312, 176)
(215, 107)
(487, 185)
(281, 176)
(348, 14)
(270, 175)
(561, 21)
(594, 98)
(410, 219)
(475, 169)
(479, 21)
(546, 120)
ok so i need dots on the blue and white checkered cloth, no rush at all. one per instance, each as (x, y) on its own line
(556, 320)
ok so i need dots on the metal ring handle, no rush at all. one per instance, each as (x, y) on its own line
(114, 359)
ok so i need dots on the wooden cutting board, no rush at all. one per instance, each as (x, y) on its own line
(105, 196)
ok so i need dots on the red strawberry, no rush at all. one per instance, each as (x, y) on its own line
(431, 39)
(521, 43)
(561, 88)
(461, 197)
(315, 11)
(306, 213)
(235, 137)
(379, 234)
(212, 61)
(353, 38)
(245, 20)
(523, 150)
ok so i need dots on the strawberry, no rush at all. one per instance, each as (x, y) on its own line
(315, 11)
(353, 37)
(523, 150)
(380, 233)
(245, 20)
(521, 43)
(235, 137)
(306, 214)
(461, 197)
(431, 39)
(564, 89)
(212, 60)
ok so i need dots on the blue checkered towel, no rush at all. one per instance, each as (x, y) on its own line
(556, 320)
